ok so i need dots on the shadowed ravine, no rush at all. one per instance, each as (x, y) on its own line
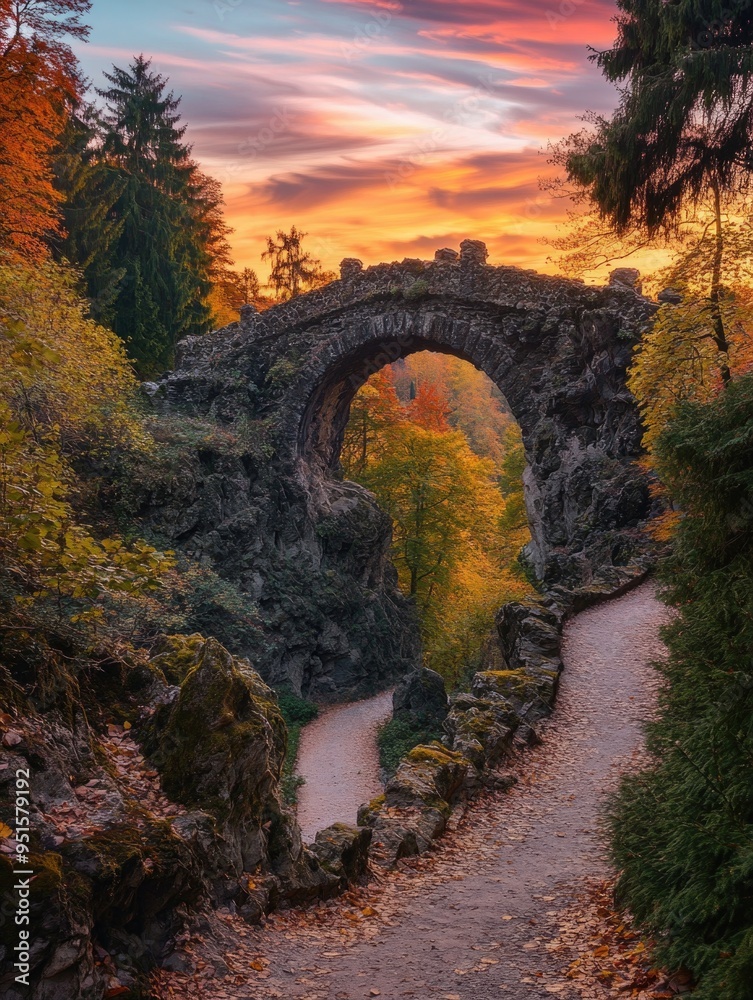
(474, 919)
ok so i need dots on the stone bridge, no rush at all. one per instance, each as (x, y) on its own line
(281, 383)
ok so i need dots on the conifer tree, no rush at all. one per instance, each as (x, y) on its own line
(684, 126)
(293, 270)
(160, 246)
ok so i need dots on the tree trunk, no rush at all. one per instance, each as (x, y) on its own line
(715, 295)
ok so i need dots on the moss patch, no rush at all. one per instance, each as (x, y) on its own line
(397, 738)
(297, 712)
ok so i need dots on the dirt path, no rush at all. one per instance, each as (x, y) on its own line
(482, 915)
(338, 757)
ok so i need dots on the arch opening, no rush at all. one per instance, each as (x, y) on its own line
(325, 417)
(433, 438)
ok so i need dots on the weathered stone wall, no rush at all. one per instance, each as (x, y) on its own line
(314, 550)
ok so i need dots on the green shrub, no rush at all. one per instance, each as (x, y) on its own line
(296, 712)
(682, 831)
(397, 738)
(418, 290)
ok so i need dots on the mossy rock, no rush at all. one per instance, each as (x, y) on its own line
(221, 748)
(177, 655)
(135, 872)
(502, 683)
(369, 812)
(343, 850)
(529, 693)
(421, 698)
(429, 776)
(482, 728)
(61, 922)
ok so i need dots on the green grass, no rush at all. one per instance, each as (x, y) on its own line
(397, 738)
(297, 712)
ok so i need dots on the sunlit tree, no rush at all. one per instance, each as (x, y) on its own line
(40, 84)
(293, 270)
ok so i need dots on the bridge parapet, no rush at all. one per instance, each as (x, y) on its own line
(450, 277)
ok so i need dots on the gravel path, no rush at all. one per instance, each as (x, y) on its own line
(339, 759)
(482, 915)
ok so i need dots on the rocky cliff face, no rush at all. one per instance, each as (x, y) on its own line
(313, 551)
(154, 785)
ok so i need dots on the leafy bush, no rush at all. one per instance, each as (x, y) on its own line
(66, 395)
(682, 831)
(60, 372)
(397, 738)
(418, 290)
(296, 712)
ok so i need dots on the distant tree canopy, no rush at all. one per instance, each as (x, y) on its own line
(684, 125)
(39, 85)
(457, 532)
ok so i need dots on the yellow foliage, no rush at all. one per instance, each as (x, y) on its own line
(66, 391)
(677, 360)
(695, 345)
(44, 552)
(60, 372)
(459, 520)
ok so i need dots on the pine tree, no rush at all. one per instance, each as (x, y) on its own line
(292, 269)
(684, 126)
(161, 245)
(90, 189)
(145, 225)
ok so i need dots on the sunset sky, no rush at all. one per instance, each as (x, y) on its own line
(384, 129)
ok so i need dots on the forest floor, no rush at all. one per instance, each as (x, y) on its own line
(514, 903)
(339, 759)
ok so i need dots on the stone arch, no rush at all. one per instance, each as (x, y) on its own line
(378, 340)
(272, 514)
(557, 350)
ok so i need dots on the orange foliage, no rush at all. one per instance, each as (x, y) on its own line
(430, 409)
(39, 84)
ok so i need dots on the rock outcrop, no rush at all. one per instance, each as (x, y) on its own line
(155, 784)
(261, 500)
(420, 699)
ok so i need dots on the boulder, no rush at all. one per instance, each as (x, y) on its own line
(350, 268)
(628, 276)
(527, 695)
(343, 850)
(429, 776)
(421, 699)
(220, 746)
(529, 632)
(482, 729)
